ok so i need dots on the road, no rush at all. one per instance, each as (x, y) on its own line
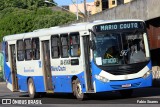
(141, 97)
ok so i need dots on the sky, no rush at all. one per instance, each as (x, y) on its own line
(68, 2)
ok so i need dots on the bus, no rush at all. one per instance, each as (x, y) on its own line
(81, 58)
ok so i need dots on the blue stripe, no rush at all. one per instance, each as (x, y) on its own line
(60, 83)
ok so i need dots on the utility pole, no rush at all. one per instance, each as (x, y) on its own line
(75, 2)
(85, 8)
(77, 9)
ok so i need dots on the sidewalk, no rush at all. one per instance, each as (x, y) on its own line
(2, 83)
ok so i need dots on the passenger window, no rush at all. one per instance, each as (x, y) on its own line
(20, 50)
(6, 51)
(64, 44)
(35, 48)
(75, 45)
(55, 46)
(28, 49)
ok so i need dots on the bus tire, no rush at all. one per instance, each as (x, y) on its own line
(31, 89)
(126, 93)
(77, 90)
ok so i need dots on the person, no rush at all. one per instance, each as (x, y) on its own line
(137, 55)
(111, 53)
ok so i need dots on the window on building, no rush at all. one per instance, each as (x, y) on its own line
(119, 2)
(104, 4)
(113, 2)
(35, 49)
(55, 46)
(6, 51)
(20, 50)
(28, 49)
(64, 45)
(74, 44)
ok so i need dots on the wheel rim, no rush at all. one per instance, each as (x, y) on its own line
(79, 89)
(31, 88)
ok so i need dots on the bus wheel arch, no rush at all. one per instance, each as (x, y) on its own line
(31, 88)
(73, 84)
(77, 89)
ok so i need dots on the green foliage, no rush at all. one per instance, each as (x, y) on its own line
(24, 4)
(18, 20)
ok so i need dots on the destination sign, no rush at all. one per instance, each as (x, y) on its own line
(118, 26)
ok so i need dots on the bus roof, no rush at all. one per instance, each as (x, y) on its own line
(60, 30)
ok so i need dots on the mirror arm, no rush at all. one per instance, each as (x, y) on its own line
(92, 32)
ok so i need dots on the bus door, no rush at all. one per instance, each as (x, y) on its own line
(47, 66)
(88, 74)
(13, 68)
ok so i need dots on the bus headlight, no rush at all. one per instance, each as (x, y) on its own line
(146, 74)
(103, 79)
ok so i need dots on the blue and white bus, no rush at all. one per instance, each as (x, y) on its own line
(81, 58)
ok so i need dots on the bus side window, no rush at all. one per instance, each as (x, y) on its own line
(6, 51)
(28, 49)
(55, 46)
(35, 48)
(75, 45)
(20, 50)
(64, 45)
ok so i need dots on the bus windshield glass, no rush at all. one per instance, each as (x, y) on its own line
(120, 48)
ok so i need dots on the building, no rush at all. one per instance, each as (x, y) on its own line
(89, 7)
(114, 3)
(96, 6)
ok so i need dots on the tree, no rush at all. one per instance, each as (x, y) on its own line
(16, 20)
(25, 4)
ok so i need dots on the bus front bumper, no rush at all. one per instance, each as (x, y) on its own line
(100, 86)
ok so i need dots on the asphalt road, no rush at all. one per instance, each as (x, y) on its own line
(141, 97)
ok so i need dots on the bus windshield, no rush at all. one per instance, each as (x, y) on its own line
(120, 48)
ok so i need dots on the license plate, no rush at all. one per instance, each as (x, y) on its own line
(126, 85)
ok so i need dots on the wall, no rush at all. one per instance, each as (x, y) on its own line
(89, 7)
(137, 9)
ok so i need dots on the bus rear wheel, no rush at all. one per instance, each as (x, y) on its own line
(77, 90)
(126, 93)
(31, 89)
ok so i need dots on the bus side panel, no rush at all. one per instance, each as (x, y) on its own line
(38, 83)
(22, 83)
(64, 83)
(7, 70)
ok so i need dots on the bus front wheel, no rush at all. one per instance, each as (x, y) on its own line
(31, 89)
(77, 90)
